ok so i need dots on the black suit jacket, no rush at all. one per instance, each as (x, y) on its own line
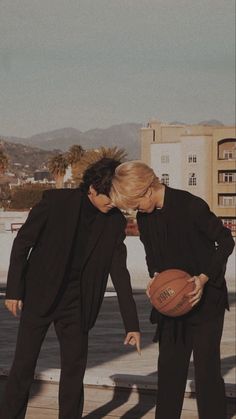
(186, 235)
(41, 254)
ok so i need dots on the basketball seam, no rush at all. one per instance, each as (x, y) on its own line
(170, 280)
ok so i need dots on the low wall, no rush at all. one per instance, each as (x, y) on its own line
(135, 255)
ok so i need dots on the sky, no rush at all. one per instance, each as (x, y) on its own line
(95, 63)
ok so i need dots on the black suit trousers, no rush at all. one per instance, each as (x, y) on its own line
(73, 350)
(175, 349)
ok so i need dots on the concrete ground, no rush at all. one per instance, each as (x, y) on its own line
(119, 383)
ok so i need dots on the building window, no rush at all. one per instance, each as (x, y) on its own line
(192, 158)
(227, 149)
(228, 154)
(192, 180)
(227, 200)
(165, 158)
(230, 223)
(165, 178)
(227, 176)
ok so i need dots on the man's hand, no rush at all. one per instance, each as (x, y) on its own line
(150, 283)
(196, 294)
(133, 338)
(14, 306)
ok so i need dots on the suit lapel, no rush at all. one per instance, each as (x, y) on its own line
(152, 232)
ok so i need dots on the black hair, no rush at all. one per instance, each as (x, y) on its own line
(99, 175)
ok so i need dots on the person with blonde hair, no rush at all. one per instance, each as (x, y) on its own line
(179, 231)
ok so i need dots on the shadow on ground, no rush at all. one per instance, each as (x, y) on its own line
(106, 344)
(147, 399)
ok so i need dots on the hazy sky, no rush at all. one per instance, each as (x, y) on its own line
(95, 63)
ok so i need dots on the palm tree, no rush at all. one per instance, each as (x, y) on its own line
(74, 156)
(57, 165)
(3, 162)
(93, 155)
(116, 153)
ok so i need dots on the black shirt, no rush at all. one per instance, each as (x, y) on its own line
(88, 213)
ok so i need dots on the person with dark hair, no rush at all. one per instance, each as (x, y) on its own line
(99, 175)
(60, 261)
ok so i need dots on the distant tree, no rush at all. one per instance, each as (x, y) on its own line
(3, 162)
(57, 165)
(92, 156)
(73, 157)
(27, 195)
(5, 195)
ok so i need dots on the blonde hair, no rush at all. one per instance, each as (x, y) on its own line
(131, 182)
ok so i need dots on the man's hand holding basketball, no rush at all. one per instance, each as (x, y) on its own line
(150, 284)
(196, 294)
(14, 306)
(133, 338)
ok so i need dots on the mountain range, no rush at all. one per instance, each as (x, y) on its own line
(125, 136)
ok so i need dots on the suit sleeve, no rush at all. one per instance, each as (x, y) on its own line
(121, 281)
(23, 243)
(212, 227)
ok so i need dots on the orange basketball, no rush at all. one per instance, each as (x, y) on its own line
(168, 292)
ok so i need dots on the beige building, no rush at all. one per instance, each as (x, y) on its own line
(200, 159)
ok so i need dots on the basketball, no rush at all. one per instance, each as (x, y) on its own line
(168, 292)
